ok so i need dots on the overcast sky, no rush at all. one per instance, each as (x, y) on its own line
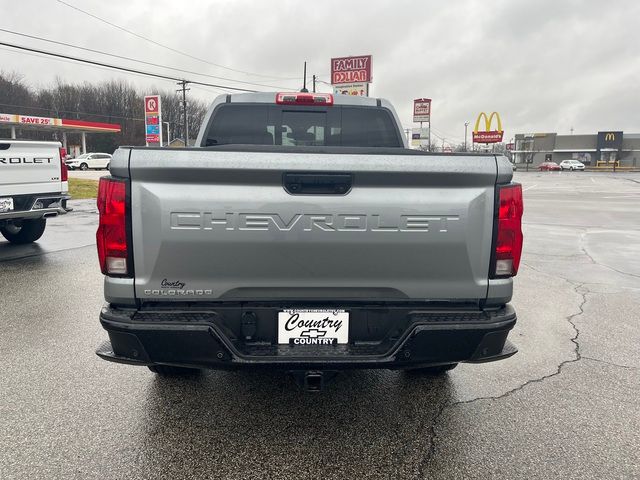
(543, 65)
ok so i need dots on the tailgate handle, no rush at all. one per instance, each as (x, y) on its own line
(317, 183)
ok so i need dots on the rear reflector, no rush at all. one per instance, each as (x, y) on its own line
(297, 98)
(509, 237)
(111, 237)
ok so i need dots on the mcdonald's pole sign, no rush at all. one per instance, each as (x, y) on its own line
(487, 135)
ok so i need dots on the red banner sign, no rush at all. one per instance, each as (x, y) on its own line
(488, 137)
(351, 70)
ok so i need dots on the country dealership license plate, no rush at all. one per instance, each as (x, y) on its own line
(313, 327)
(6, 204)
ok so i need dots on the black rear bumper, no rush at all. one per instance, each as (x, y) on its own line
(381, 336)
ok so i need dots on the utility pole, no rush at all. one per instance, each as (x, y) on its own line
(466, 124)
(314, 84)
(184, 89)
(304, 80)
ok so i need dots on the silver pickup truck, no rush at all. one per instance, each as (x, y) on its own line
(302, 234)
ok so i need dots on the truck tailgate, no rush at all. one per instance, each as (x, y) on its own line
(219, 225)
(29, 167)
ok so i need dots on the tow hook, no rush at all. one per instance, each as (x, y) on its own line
(313, 380)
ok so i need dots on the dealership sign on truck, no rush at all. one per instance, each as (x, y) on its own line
(351, 70)
(422, 110)
(153, 121)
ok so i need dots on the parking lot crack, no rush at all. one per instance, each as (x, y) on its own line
(577, 356)
(611, 364)
(594, 261)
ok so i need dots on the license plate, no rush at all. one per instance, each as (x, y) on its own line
(313, 327)
(6, 204)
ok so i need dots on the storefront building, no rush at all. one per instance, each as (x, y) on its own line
(603, 149)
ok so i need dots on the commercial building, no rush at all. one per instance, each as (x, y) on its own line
(12, 122)
(602, 149)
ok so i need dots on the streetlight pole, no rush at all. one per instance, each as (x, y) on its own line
(466, 124)
(168, 133)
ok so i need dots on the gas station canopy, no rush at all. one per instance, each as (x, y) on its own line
(59, 124)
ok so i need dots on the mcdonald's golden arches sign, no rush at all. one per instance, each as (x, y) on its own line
(488, 135)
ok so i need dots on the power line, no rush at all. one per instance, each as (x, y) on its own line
(11, 50)
(124, 69)
(71, 111)
(210, 90)
(168, 47)
(135, 60)
(440, 134)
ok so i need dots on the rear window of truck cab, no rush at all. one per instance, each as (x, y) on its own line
(292, 125)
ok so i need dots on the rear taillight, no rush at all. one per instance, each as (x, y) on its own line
(64, 171)
(509, 234)
(111, 237)
(297, 98)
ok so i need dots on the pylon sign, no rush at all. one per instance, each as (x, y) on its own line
(153, 121)
(351, 75)
(487, 135)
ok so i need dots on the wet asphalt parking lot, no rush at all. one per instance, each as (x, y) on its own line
(566, 406)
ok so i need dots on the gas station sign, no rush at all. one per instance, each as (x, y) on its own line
(153, 121)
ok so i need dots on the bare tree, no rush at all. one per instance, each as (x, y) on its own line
(113, 101)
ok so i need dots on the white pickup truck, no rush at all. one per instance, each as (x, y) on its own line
(33, 187)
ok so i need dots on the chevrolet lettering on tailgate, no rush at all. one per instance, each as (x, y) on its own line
(309, 222)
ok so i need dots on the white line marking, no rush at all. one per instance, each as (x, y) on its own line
(593, 179)
(529, 188)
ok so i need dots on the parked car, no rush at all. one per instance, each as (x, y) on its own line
(306, 243)
(571, 165)
(549, 166)
(90, 160)
(33, 187)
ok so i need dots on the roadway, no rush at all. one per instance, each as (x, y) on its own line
(566, 406)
